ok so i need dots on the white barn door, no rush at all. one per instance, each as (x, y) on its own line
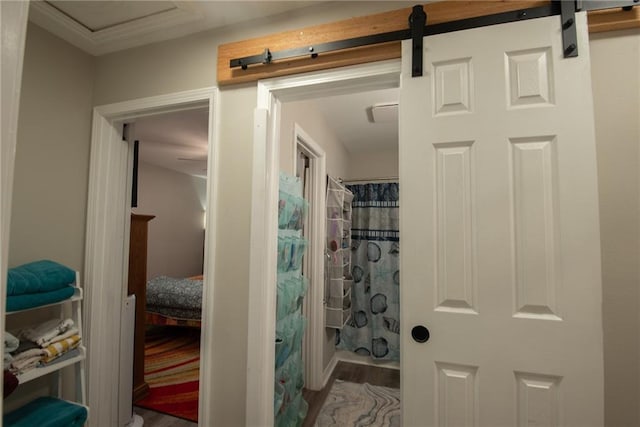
(499, 230)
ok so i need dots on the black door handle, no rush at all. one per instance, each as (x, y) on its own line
(420, 334)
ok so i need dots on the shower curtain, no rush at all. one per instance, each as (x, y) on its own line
(374, 327)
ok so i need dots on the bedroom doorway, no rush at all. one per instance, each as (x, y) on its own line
(107, 253)
(168, 208)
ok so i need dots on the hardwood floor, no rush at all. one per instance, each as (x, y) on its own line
(351, 372)
(157, 419)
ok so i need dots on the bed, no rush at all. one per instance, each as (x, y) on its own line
(174, 301)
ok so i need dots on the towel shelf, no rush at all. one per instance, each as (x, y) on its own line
(77, 296)
(78, 360)
(34, 373)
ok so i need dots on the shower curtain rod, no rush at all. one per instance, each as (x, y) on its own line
(365, 180)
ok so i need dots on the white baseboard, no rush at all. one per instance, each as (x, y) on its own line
(329, 370)
(351, 357)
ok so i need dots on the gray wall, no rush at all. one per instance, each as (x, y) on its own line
(50, 198)
(373, 164)
(51, 172)
(52, 154)
(176, 234)
(616, 92)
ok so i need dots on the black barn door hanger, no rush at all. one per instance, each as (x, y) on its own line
(418, 28)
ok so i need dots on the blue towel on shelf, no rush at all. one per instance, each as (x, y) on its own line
(47, 412)
(22, 302)
(38, 276)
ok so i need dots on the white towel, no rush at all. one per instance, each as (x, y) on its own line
(10, 342)
(21, 366)
(7, 360)
(40, 352)
(47, 330)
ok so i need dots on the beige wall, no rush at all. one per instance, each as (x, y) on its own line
(373, 164)
(616, 92)
(232, 262)
(176, 234)
(313, 124)
(52, 153)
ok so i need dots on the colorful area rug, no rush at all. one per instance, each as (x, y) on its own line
(350, 404)
(172, 368)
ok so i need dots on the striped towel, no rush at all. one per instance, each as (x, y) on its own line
(69, 333)
(60, 347)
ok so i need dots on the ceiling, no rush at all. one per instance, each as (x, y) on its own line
(350, 118)
(176, 141)
(104, 26)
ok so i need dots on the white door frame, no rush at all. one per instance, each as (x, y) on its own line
(312, 351)
(14, 33)
(264, 227)
(107, 246)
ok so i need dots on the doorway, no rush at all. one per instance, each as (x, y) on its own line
(272, 93)
(170, 190)
(107, 250)
(524, 159)
(358, 297)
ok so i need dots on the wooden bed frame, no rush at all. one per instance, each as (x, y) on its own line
(138, 285)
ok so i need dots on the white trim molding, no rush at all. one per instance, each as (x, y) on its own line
(107, 247)
(120, 36)
(14, 33)
(315, 233)
(326, 375)
(264, 227)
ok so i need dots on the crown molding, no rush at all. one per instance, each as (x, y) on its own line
(126, 35)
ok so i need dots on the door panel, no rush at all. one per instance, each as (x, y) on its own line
(500, 232)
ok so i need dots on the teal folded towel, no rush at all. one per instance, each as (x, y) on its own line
(23, 302)
(38, 276)
(47, 412)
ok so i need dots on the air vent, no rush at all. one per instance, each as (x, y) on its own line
(383, 113)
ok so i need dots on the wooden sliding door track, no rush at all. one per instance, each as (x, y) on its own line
(418, 28)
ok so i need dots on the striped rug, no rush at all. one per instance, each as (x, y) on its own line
(359, 405)
(171, 368)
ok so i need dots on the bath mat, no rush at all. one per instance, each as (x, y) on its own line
(350, 404)
(172, 369)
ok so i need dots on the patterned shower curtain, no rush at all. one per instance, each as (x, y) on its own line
(375, 303)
